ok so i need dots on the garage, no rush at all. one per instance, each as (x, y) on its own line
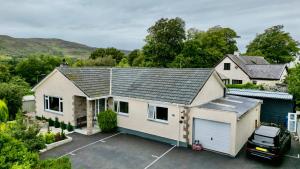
(212, 135)
(224, 125)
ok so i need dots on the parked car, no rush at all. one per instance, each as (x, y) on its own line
(269, 142)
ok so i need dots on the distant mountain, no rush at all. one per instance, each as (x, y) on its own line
(22, 47)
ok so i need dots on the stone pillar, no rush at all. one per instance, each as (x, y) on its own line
(89, 117)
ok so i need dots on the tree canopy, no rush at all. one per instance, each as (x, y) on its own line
(293, 80)
(116, 54)
(164, 42)
(276, 45)
(3, 111)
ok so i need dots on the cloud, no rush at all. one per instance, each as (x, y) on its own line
(123, 24)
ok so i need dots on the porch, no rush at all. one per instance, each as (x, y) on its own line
(86, 112)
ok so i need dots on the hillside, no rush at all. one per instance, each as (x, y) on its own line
(22, 47)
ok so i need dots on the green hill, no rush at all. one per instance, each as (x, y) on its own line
(22, 47)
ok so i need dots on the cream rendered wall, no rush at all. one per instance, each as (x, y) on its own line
(57, 85)
(267, 82)
(235, 72)
(212, 89)
(246, 126)
(137, 119)
(215, 115)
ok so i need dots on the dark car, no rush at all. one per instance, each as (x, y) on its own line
(268, 142)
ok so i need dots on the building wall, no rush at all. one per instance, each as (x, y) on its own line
(211, 90)
(57, 85)
(235, 72)
(28, 106)
(246, 126)
(215, 115)
(137, 119)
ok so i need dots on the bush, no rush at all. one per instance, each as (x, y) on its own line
(107, 121)
(245, 86)
(57, 137)
(56, 123)
(49, 138)
(70, 127)
(61, 163)
(51, 122)
(3, 111)
(38, 118)
(63, 126)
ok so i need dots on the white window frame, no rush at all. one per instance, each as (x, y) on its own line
(118, 107)
(153, 118)
(97, 107)
(47, 100)
(292, 122)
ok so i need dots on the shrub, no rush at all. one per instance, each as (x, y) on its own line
(70, 127)
(49, 138)
(107, 121)
(63, 126)
(57, 137)
(38, 117)
(61, 163)
(3, 111)
(63, 135)
(51, 122)
(245, 86)
(56, 123)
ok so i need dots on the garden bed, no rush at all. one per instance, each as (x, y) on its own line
(56, 144)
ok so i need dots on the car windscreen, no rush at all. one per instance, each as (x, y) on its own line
(269, 141)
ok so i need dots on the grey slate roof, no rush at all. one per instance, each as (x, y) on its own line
(237, 104)
(94, 82)
(160, 84)
(257, 67)
(260, 94)
(265, 71)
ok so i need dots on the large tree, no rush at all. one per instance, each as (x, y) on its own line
(206, 48)
(276, 45)
(164, 41)
(106, 52)
(293, 81)
(34, 68)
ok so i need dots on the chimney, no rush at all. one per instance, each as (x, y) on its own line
(236, 53)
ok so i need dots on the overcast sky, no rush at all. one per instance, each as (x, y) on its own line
(123, 23)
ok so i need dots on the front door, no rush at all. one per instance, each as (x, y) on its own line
(100, 106)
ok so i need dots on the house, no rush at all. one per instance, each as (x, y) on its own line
(236, 69)
(275, 107)
(176, 106)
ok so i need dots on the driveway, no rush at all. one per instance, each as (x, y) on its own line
(112, 151)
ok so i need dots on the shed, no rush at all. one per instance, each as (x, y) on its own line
(275, 107)
(28, 103)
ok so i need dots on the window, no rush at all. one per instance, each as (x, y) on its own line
(254, 82)
(53, 104)
(121, 107)
(226, 66)
(157, 113)
(237, 81)
(226, 81)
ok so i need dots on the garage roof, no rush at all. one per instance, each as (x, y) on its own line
(237, 104)
(260, 93)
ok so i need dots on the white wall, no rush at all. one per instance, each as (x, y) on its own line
(246, 126)
(212, 89)
(235, 72)
(57, 85)
(137, 119)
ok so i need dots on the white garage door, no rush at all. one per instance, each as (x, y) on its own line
(212, 135)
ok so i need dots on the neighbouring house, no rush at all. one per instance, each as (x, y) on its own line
(236, 69)
(28, 103)
(176, 106)
(275, 107)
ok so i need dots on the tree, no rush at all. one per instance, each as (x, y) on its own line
(105, 52)
(35, 67)
(3, 111)
(100, 61)
(206, 48)
(4, 73)
(276, 45)
(123, 63)
(293, 81)
(133, 55)
(164, 41)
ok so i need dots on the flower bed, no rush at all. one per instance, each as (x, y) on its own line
(54, 140)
